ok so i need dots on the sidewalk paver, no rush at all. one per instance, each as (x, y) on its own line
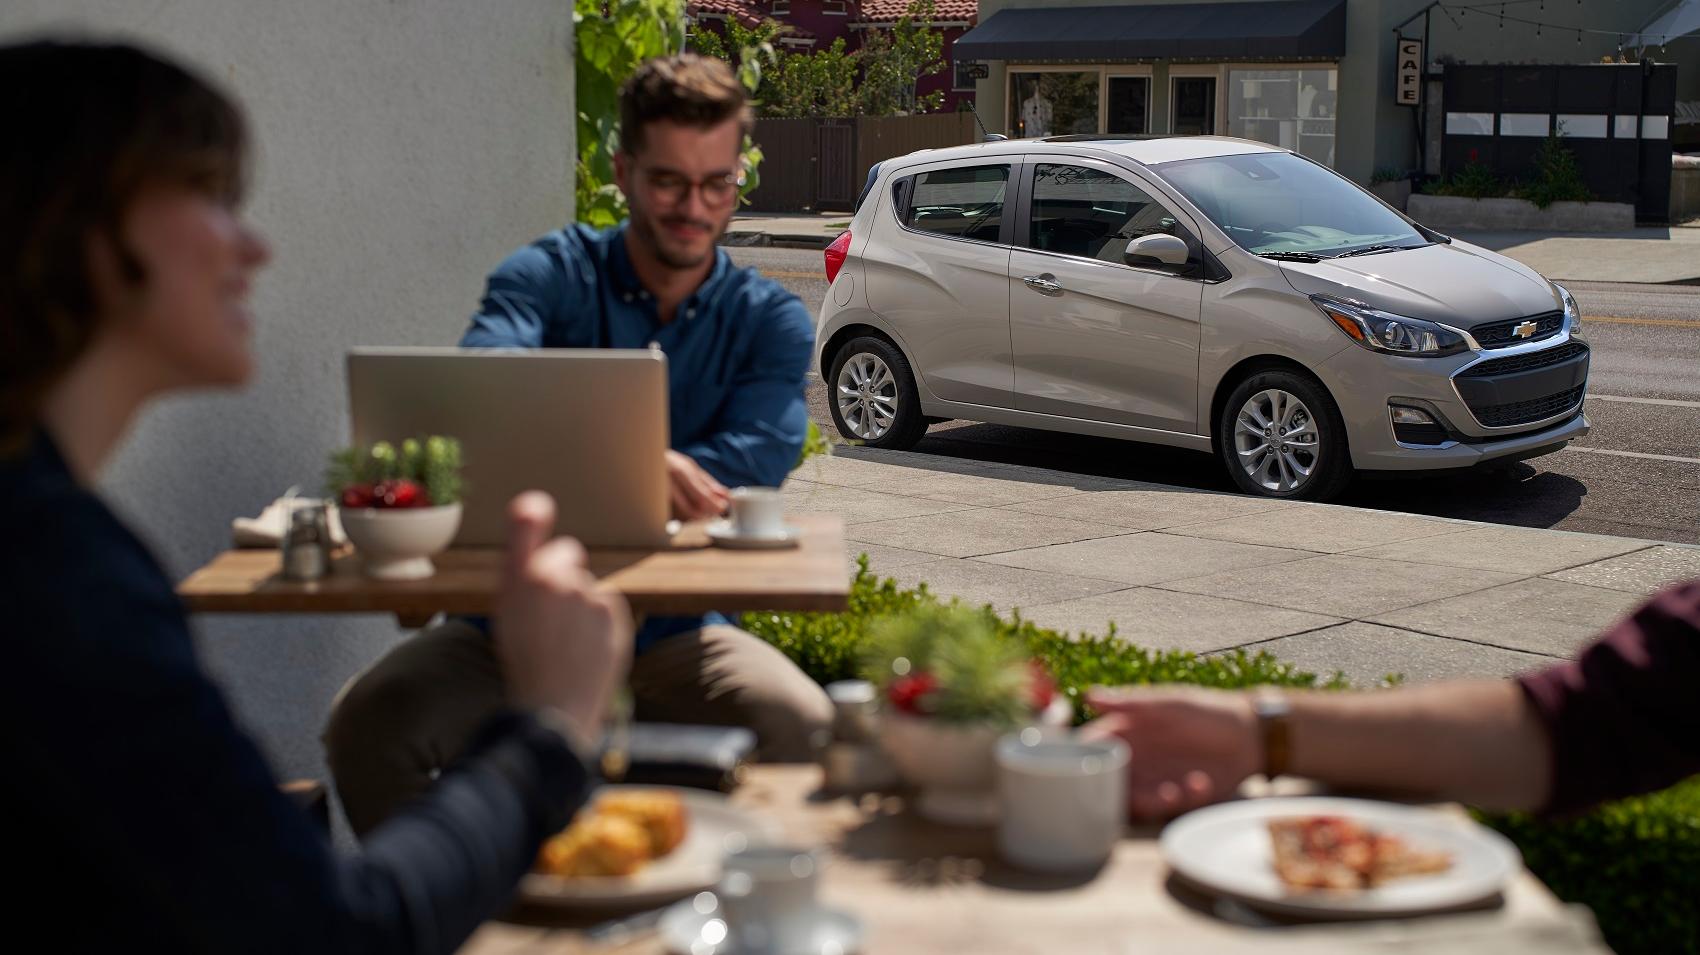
(858, 505)
(976, 531)
(1158, 618)
(1537, 615)
(1330, 530)
(1639, 573)
(1367, 654)
(1005, 588)
(1343, 586)
(1150, 507)
(1146, 558)
(1510, 549)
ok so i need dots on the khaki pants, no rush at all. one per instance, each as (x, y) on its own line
(394, 727)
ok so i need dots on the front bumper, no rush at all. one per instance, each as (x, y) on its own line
(1365, 384)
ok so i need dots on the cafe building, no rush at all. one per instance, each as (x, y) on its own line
(1321, 77)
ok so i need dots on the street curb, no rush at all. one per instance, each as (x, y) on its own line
(772, 240)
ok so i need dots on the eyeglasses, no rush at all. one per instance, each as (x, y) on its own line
(672, 188)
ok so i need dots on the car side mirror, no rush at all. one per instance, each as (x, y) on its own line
(1157, 249)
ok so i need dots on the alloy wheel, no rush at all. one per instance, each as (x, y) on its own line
(1276, 441)
(867, 396)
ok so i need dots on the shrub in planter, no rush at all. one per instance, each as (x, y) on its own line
(1558, 178)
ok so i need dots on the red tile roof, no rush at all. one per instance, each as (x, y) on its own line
(747, 12)
(890, 11)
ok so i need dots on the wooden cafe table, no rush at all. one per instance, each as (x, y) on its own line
(922, 889)
(687, 578)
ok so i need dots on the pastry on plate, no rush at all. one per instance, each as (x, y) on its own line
(620, 833)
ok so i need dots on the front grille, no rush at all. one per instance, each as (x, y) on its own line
(1501, 334)
(1529, 362)
(1524, 412)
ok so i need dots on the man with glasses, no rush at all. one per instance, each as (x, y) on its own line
(738, 347)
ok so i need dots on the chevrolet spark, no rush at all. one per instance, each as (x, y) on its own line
(1199, 292)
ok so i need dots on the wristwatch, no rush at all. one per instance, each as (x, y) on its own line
(1275, 730)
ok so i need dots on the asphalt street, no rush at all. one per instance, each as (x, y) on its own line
(1636, 475)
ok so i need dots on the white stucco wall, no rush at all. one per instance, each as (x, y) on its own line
(404, 147)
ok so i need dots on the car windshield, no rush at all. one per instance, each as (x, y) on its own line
(1277, 203)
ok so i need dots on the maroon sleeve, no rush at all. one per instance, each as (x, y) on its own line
(1624, 716)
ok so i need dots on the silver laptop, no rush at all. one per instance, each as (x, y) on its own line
(587, 425)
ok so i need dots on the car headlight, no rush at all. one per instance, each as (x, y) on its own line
(1388, 333)
(1572, 311)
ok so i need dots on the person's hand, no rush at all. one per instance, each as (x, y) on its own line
(564, 640)
(695, 492)
(1190, 747)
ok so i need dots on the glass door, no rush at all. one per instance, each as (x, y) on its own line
(1127, 100)
(1192, 109)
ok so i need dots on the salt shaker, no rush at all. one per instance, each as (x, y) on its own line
(307, 541)
(853, 761)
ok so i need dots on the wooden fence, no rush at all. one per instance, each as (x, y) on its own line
(817, 165)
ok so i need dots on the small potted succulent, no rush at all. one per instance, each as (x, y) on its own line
(951, 686)
(399, 506)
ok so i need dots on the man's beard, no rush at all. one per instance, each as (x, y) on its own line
(648, 231)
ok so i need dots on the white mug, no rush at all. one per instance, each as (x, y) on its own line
(758, 512)
(1063, 800)
(767, 898)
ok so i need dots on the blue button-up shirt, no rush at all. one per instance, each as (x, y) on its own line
(737, 352)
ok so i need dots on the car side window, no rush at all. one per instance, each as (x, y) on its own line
(1085, 211)
(966, 202)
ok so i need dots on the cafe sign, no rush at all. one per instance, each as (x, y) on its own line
(1408, 78)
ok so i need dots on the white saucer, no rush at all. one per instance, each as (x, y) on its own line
(694, 927)
(723, 534)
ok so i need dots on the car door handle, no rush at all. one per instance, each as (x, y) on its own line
(1043, 284)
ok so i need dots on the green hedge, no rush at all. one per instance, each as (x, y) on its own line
(1636, 863)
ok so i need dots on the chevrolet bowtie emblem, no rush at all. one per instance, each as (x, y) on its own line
(1525, 330)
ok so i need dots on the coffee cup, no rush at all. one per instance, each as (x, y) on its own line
(758, 512)
(767, 897)
(1063, 800)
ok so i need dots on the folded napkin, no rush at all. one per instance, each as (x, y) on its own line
(267, 529)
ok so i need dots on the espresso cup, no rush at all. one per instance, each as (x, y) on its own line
(1063, 800)
(758, 512)
(767, 897)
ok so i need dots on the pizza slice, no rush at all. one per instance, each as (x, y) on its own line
(1333, 852)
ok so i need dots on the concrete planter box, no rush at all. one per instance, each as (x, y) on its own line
(1684, 194)
(1395, 193)
(1451, 213)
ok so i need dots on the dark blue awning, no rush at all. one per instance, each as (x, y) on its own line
(1304, 29)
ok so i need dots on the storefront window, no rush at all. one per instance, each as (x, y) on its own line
(1052, 104)
(1293, 109)
(1193, 106)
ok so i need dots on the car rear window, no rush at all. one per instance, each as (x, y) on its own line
(963, 203)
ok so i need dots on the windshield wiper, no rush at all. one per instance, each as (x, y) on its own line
(1373, 250)
(1291, 256)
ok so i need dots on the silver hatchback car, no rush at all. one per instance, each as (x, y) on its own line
(1200, 292)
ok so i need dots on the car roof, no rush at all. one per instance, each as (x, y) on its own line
(1146, 150)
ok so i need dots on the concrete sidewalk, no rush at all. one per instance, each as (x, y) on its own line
(1324, 587)
(1650, 255)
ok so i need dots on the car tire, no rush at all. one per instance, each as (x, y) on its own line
(1291, 442)
(872, 395)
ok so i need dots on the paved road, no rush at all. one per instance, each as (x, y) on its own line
(1638, 477)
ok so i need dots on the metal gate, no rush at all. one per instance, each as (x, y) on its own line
(1615, 118)
(835, 165)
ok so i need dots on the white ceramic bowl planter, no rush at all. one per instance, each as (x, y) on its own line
(398, 543)
(954, 765)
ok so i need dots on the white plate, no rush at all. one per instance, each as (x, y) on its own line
(1226, 849)
(723, 534)
(714, 827)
